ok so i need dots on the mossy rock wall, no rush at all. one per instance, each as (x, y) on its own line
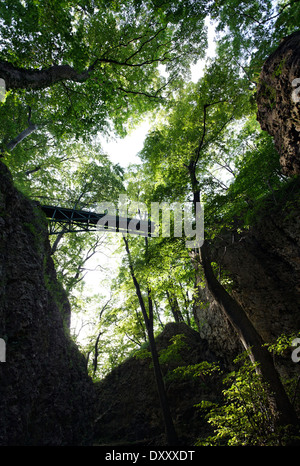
(46, 395)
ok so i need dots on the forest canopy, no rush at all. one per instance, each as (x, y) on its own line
(78, 71)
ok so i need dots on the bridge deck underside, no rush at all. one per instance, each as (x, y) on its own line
(62, 219)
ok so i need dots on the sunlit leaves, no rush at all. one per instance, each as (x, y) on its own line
(245, 416)
(119, 46)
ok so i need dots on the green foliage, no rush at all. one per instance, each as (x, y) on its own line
(173, 353)
(282, 344)
(116, 46)
(256, 184)
(65, 174)
(245, 418)
(101, 317)
(194, 371)
(199, 113)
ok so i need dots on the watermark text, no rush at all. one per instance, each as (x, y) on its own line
(162, 219)
(296, 91)
(296, 352)
(2, 90)
(2, 350)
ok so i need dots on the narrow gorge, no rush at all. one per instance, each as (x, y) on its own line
(55, 392)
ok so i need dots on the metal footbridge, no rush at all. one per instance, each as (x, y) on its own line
(63, 220)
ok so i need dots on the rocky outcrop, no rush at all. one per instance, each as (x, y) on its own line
(128, 409)
(278, 101)
(214, 326)
(263, 264)
(45, 394)
(260, 267)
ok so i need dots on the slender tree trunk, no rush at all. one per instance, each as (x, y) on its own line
(284, 413)
(172, 438)
(96, 354)
(174, 307)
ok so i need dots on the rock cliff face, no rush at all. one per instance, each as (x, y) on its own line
(214, 327)
(45, 394)
(263, 264)
(278, 100)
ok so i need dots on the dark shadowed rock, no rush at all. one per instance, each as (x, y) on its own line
(45, 394)
(128, 405)
(278, 100)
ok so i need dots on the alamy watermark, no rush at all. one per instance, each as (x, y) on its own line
(296, 91)
(2, 90)
(161, 220)
(2, 350)
(296, 352)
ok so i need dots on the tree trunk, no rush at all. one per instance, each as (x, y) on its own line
(173, 302)
(284, 413)
(252, 342)
(96, 354)
(172, 439)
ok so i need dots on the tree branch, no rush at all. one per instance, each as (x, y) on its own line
(24, 134)
(21, 78)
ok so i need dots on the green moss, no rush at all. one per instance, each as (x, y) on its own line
(30, 227)
(173, 352)
(279, 68)
(269, 94)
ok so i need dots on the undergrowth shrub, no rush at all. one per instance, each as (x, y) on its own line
(245, 418)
